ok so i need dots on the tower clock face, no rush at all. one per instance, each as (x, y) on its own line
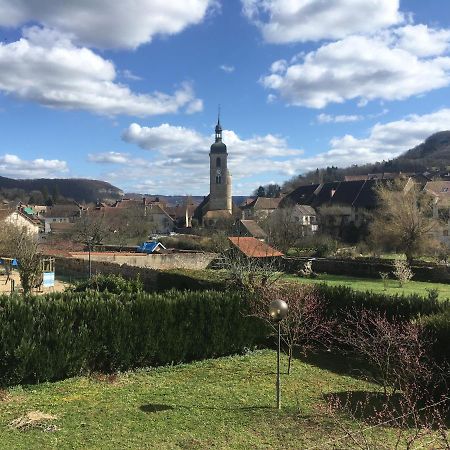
(218, 171)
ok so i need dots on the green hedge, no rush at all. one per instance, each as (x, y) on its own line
(340, 299)
(61, 335)
(437, 327)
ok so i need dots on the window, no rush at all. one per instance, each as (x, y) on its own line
(445, 232)
(218, 162)
(218, 179)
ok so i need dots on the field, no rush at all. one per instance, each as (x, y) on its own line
(368, 284)
(221, 403)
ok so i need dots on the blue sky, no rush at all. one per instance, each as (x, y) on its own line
(128, 91)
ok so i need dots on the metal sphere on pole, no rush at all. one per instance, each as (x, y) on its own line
(278, 310)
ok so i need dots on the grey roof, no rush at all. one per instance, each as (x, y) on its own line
(254, 229)
(218, 147)
(306, 210)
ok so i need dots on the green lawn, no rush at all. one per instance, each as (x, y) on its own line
(368, 284)
(222, 403)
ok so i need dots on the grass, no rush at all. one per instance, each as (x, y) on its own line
(368, 284)
(222, 403)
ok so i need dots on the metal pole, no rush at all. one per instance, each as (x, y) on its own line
(278, 367)
(90, 265)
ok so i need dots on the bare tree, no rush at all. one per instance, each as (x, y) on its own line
(404, 219)
(306, 326)
(19, 243)
(282, 228)
(395, 351)
(91, 229)
(413, 423)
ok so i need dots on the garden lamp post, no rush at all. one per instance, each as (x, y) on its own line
(278, 310)
(90, 239)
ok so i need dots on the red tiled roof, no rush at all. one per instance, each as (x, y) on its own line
(253, 248)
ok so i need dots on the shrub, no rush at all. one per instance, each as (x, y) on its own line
(402, 271)
(59, 335)
(115, 284)
(341, 299)
(437, 326)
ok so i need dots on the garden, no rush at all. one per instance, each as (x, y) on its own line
(107, 364)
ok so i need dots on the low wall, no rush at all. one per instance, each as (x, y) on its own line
(153, 280)
(368, 268)
(164, 261)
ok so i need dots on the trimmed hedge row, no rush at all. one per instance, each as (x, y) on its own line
(340, 299)
(60, 335)
(437, 327)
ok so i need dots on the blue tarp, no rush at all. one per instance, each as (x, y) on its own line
(149, 247)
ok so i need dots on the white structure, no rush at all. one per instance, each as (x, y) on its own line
(20, 220)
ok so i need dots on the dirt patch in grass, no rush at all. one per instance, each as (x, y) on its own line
(4, 396)
(33, 420)
(109, 378)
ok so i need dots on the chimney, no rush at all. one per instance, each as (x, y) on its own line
(144, 201)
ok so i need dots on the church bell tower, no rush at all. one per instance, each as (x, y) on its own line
(220, 177)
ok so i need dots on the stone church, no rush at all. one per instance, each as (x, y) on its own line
(218, 205)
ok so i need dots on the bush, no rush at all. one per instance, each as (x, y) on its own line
(342, 299)
(115, 284)
(437, 327)
(60, 335)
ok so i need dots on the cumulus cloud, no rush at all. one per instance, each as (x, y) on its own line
(364, 68)
(384, 141)
(423, 41)
(46, 67)
(283, 21)
(106, 23)
(14, 166)
(178, 155)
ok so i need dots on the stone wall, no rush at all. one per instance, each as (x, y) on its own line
(153, 280)
(164, 261)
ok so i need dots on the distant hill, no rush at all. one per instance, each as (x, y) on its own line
(78, 189)
(433, 154)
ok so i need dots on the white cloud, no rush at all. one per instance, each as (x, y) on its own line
(180, 155)
(106, 23)
(179, 163)
(364, 68)
(423, 41)
(46, 67)
(327, 118)
(227, 69)
(14, 166)
(109, 158)
(384, 141)
(285, 21)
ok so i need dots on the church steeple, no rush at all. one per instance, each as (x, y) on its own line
(218, 128)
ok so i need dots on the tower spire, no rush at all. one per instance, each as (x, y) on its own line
(218, 128)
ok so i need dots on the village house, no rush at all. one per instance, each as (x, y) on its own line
(260, 208)
(341, 206)
(19, 219)
(156, 219)
(61, 218)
